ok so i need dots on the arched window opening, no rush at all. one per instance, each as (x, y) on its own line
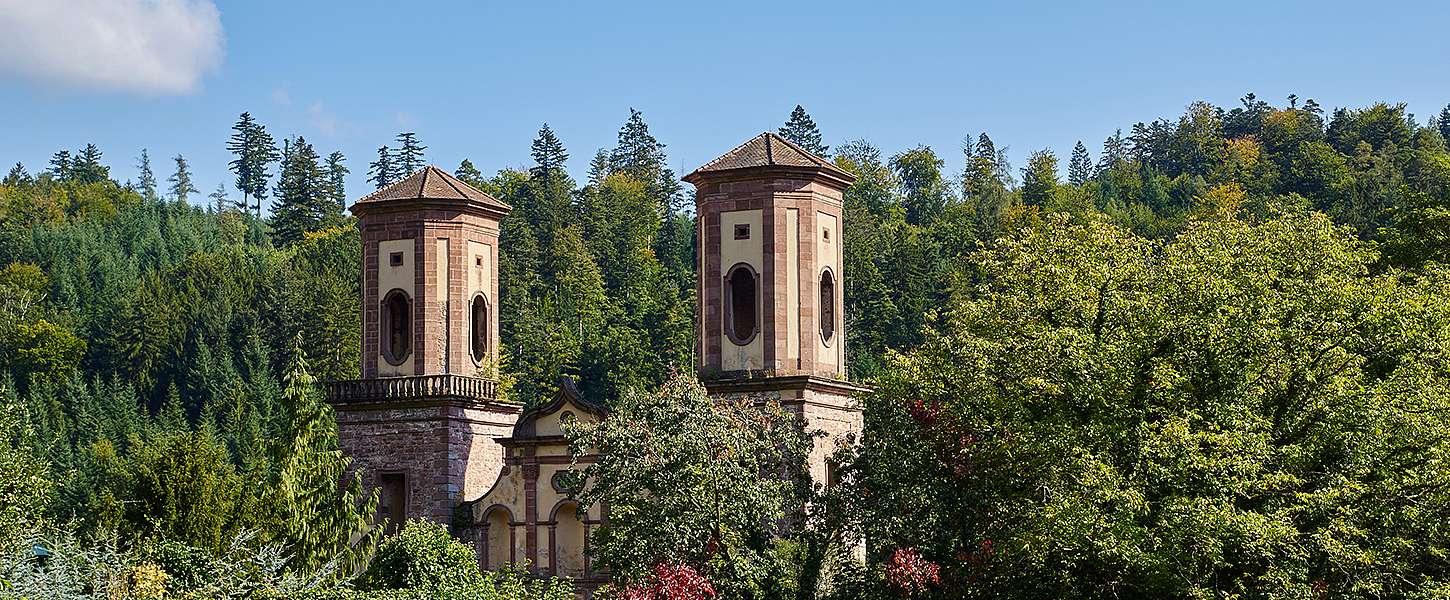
(828, 306)
(567, 537)
(398, 327)
(478, 324)
(740, 317)
(499, 546)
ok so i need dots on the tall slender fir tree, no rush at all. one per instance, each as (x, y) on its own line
(410, 154)
(381, 172)
(254, 150)
(801, 129)
(181, 185)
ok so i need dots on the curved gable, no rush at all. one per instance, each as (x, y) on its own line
(544, 420)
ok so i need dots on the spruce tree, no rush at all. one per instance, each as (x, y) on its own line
(549, 186)
(598, 167)
(801, 129)
(17, 175)
(336, 172)
(87, 167)
(410, 154)
(321, 509)
(469, 174)
(381, 172)
(301, 194)
(548, 152)
(148, 178)
(1080, 166)
(254, 150)
(60, 166)
(219, 199)
(181, 185)
(638, 153)
(1444, 124)
(1115, 152)
(1039, 178)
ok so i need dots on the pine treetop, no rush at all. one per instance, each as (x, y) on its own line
(410, 154)
(801, 130)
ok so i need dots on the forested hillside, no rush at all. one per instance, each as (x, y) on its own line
(159, 349)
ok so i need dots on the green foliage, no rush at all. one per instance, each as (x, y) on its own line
(421, 555)
(409, 157)
(307, 196)
(25, 478)
(320, 508)
(181, 185)
(1246, 409)
(254, 150)
(423, 561)
(801, 129)
(691, 480)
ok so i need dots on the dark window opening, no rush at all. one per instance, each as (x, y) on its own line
(395, 259)
(478, 261)
(480, 328)
(740, 318)
(826, 234)
(742, 231)
(393, 500)
(398, 327)
(828, 306)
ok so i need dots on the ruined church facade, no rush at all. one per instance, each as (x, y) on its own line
(426, 425)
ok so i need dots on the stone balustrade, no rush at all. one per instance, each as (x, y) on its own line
(413, 387)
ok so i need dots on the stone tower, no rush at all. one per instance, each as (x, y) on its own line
(422, 421)
(769, 288)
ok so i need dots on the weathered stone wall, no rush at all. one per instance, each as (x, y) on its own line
(446, 453)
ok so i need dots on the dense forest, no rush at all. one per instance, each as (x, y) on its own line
(1207, 359)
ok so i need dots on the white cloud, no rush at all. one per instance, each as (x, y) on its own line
(322, 119)
(280, 97)
(146, 46)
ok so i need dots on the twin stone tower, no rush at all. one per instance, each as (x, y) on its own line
(425, 423)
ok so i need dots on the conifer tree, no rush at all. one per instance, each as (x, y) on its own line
(60, 166)
(148, 178)
(801, 129)
(1080, 166)
(87, 167)
(550, 189)
(1115, 152)
(181, 185)
(381, 172)
(320, 506)
(410, 154)
(469, 174)
(1443, 124)
(254, 150)
(301, 193)
(219, 200)
(1039, 177)
(598, 167)
(638, 153)
(336, 172)
(17, 175)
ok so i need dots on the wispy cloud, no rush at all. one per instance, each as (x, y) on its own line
(280, 97)
(144, 46)
(322, 119)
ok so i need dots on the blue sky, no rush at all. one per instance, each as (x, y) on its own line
(476, 79)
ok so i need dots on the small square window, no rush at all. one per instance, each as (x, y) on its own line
(395, 259)
(478, 261)
(826, 234)
(742, 231)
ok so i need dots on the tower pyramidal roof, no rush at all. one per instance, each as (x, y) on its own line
(768, 150)
(431, 183)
